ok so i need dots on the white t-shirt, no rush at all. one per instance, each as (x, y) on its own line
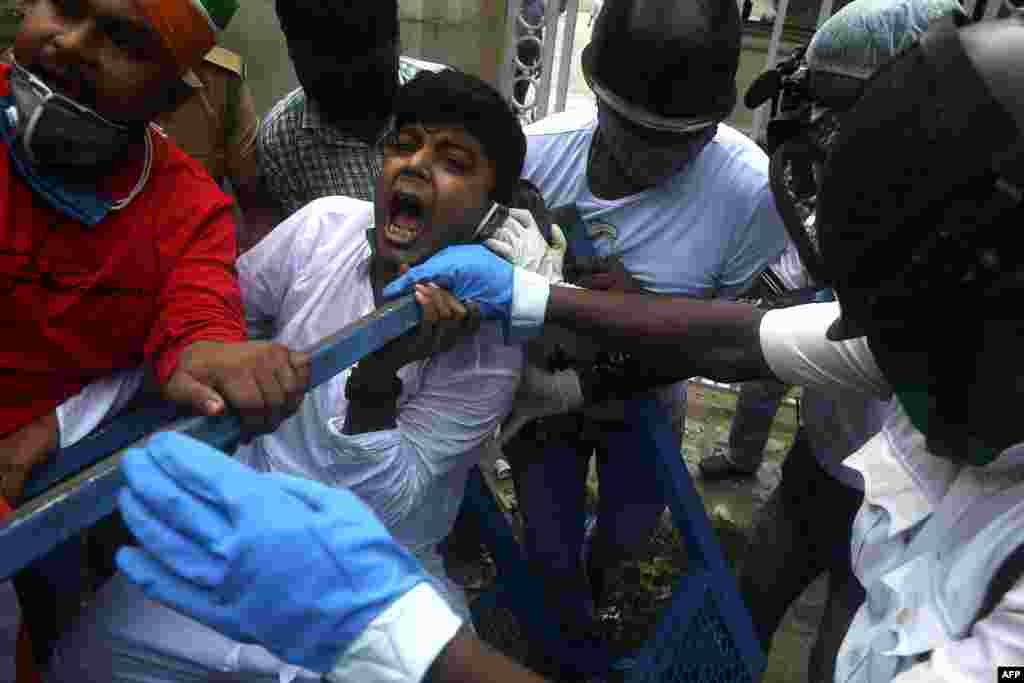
(705, 232)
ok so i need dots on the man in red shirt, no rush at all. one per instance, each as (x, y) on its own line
(115, 247)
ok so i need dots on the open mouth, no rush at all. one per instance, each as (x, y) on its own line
(405, 219)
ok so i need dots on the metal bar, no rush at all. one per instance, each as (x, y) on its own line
(547, 58)
(126, 429)
(42, 523)
(565, 65)
(508, 69)
(763, 112)
(655, 436)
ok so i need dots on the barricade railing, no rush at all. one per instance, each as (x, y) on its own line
(79, 485)
(705, 634)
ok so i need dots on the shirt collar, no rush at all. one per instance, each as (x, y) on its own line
(313, 118)
(900, 475)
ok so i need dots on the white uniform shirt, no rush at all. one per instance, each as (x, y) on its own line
(918, 624)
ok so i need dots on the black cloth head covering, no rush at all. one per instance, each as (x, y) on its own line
(909, 182)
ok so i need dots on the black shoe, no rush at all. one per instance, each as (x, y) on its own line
(718, 466)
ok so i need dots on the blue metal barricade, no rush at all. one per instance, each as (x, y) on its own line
(704, 635)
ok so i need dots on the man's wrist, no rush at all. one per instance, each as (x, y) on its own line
(400, 645)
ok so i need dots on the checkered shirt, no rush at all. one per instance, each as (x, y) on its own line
(303, 157)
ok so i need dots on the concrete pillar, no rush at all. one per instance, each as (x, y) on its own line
(467, 34)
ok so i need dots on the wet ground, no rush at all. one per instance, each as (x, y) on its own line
(642, 589)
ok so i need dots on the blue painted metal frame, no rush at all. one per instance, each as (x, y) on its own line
(709, 574)
(708, 581)
(60, 507)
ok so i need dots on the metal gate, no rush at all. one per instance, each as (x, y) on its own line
(538, 55)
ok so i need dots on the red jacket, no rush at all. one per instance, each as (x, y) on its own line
(78, 302)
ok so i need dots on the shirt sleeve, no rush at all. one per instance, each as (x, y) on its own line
(243, 167)
(402, 642)
(267, 271)
(463, 396)
(795, 347)
(200, 299)
(78, 416)
(994, 641)
(759, 244)
(277, 179)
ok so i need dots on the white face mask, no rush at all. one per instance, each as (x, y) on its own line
(54, 130)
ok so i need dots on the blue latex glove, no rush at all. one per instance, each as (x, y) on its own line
(284, 562)
(471, 273)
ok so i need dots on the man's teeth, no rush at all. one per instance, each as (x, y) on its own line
(397, 233)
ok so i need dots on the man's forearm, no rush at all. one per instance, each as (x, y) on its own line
(467, 659)
(685, 337)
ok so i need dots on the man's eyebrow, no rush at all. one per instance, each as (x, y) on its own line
(453, 137)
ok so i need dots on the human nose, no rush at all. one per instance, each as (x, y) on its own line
(420, 162)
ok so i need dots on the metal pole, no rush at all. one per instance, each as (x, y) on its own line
(547, 58)
(508, 70)
(39, 525)
(565, 65)
(762, 113)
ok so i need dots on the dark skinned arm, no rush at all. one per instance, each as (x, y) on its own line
(684, 337)
(467, 659)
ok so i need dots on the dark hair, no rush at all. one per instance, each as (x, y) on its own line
(454, 98)
(351, 26)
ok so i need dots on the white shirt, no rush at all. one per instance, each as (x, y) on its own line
(310, 277)
(836, 422)
(705, 232)
(918, 624)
